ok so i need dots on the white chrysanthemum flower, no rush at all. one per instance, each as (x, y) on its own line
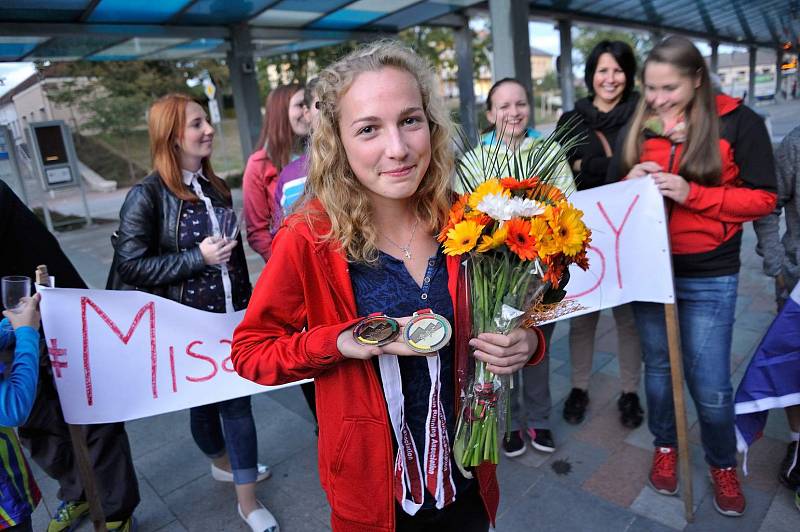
(503, 208)
(525, 208)
(496, 206)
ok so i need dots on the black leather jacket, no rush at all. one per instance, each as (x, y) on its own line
(146, 253)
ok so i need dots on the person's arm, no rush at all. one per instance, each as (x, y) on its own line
(769, 245)
(270, 345)
(140, 261)
(18, 391)
(756, 197)
(258, 204)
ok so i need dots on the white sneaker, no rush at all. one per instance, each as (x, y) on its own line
(260, 520)
(226, 476)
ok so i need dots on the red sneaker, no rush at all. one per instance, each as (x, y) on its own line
(728, 496)
(664, 473)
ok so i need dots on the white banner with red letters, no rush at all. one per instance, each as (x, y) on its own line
(120, 355)
(629, 256)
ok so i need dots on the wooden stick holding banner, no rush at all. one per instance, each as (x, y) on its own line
(80, 447)
(678, 402)
(676, 369)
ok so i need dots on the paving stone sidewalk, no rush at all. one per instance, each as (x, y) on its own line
(595, 481)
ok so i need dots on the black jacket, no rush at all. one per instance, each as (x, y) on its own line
(588, 120)
(146, 255)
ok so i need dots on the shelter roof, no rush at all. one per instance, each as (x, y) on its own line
(769, 23)
(173, 29)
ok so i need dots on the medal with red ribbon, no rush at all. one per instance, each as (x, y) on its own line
(432, 331)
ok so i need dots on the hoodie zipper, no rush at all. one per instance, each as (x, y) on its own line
(673, 148)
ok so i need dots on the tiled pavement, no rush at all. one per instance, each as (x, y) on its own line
(595, 481)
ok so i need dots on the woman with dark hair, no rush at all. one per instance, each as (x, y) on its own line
(163, 246)
(711, 159)
(281, 141)
(610, 74)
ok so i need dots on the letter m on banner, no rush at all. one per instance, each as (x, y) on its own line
(87, 370)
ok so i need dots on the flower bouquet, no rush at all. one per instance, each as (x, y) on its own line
(518, 234)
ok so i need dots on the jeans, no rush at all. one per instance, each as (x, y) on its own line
(706, 307)
(239, 438)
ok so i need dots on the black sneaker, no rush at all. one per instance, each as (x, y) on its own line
(790, 467)
(513, 445)
(631, 413)
(575, 406)
(542, 440)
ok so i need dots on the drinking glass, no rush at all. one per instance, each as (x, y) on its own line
(14, 288)
(229, 222)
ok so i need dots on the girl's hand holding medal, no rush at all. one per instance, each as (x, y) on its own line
(424, 333)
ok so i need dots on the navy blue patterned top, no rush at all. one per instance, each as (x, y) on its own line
(389, 288)
(204, 291)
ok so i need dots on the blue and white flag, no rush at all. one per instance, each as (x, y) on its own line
(772, 379)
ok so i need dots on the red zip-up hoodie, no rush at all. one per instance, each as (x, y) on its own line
(705, 231)
(301, 303)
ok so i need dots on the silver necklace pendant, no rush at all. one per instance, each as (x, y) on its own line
(406, 253)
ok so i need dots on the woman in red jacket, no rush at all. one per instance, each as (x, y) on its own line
(711, 159)
(280, 141)
(363, 242)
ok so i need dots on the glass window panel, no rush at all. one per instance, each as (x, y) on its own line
(222, 12)
(280, 17)
(137, 47)
(126, 11)
(345, 19)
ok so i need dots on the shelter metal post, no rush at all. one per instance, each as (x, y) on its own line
(565, 72)
(778, 74)
(751, 82)
(714, 66)
(510, 43)
(246, 99)
(466, 89)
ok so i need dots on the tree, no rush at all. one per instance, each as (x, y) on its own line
(115, 95)
(588, 37)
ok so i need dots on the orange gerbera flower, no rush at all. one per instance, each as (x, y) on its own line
(554, 269)
(582, 260)
(455, 216)
(519, 239)
(546, 193)
(512, 183)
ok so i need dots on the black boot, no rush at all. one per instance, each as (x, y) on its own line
(575, 406)
(631, 413)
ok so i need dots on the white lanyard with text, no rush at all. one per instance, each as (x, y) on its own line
(407, 471)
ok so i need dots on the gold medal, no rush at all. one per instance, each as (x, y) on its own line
(427, 332)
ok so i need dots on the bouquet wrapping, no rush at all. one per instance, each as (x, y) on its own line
(518, 235)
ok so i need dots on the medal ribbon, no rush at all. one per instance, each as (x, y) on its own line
(226, 280)
(408, 472)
